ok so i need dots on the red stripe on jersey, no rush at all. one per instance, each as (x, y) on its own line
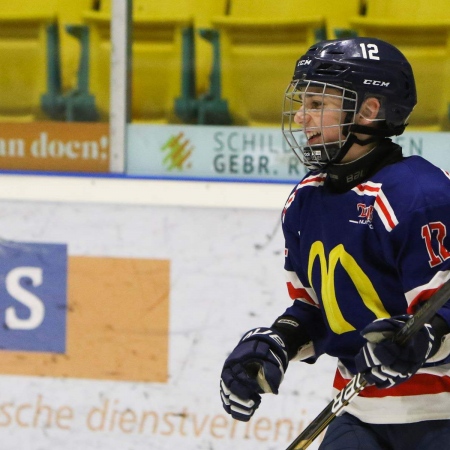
(295, 293)
(422, 297)
(386, 214)
(419, 384)
(308, 180)
(366, 187)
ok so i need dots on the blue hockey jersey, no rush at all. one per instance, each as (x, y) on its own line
(376, 250)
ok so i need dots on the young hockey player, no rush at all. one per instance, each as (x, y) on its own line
(366, 244)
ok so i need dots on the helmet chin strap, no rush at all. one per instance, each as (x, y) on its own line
(378, 132)
(375, 135)
(352, 139)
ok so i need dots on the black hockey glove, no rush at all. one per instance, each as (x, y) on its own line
(255, 366)
(385, 363)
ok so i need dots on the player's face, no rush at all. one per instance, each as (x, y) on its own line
(321, 115)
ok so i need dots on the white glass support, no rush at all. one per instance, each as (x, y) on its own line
(120, 85)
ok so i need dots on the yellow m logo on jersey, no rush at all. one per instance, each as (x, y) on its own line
(362, 283)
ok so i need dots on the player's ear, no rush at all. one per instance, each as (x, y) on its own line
(369, 111)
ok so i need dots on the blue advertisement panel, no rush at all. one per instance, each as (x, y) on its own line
(33, 296)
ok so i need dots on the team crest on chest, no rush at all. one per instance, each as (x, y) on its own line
(365, 214)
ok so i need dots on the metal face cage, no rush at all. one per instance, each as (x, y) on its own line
(315, 120)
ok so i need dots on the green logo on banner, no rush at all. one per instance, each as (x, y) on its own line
(178, 149)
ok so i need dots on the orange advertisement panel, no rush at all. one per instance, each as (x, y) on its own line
(117, 323)
(55, 146)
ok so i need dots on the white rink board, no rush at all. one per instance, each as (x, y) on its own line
(226, 277)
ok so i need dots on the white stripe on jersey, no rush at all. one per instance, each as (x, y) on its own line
(404, 408)
(435, 283)
(381, 204)
(298, 291)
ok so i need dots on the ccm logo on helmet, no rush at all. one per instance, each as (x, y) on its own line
(304, 62)
(377, 83)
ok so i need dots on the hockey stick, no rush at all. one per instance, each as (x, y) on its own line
(358, 383)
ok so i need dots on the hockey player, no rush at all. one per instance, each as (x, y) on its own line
(366, 235)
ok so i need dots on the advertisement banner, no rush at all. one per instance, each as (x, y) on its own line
(240, 153)
(33, 297)
(157, 297)
(55, 146)
(116, 329)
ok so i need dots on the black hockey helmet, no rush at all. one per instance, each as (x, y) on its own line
(360, 68)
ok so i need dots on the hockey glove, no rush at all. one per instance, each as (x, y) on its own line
(385, 363)
(255, 366)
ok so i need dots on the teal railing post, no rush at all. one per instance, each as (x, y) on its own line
(186, 107)
(52, 101)
(80, 104)
(212, 109)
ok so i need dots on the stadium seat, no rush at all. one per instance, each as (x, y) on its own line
(337, 14)
(70, 12)
(30, 78)
(203, 12)
(421, 30)
(255, 48)
(408, 9)
(163, 74)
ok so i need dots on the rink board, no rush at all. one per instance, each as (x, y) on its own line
(157, 297)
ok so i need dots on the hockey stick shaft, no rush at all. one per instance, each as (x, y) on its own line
(426, 312)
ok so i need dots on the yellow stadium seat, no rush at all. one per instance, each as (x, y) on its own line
(70, 12)
(421, 30)
(335, 12)
(201, 13)
(254, 57)
(30, 79)
(256, 46)
(408, 9)
(163, 76)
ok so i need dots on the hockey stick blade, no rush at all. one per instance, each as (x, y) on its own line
(426, 312)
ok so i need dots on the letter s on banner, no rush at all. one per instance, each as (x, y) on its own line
(28, 299)
(33, 296)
